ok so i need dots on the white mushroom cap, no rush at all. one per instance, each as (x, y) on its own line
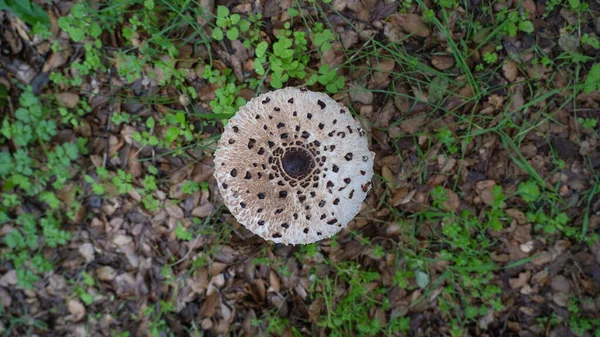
(293, 166)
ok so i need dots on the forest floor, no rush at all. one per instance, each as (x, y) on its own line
(483, 218)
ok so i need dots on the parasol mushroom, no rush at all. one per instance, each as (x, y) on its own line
(293, 166)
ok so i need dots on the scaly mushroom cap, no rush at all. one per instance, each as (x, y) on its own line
(293, 166)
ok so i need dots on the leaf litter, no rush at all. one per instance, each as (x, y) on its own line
(458, 137)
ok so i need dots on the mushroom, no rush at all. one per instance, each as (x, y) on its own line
(293, 166)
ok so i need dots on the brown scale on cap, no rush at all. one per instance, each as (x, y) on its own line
(290, 150)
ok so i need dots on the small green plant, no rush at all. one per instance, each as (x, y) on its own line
(158, 325)
(227, 100)
(27, 174)
(81, 291)
(587, 123)
(490, 58)
(529, 191)
(288, 58)
(322, 37)
(182, 233)
(590, 41)
(550, 224)
(230, 24)
(512, 22)
(447, 3)
(349, 312)
(29, 12)
(80, 24)
(580, 324)
(122, 181)
(328, 78)
(446, 137)
(592, 81)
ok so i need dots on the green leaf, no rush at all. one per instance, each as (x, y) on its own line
(340, 82)
(592, 82)
(244, 25)
(261, 49)
(562, 219)
(180, 118)
(438, 88)
(293, 12)
(27, 11)
(217, 34)
(221, 22)
(86, 298)
(529, 191)
(136, 136)
(233, 33)
(87, 279)
(574, 4)
(222, 11)
(95, 30)
(286, 54)
(182, 234)
(422, 279)
(171, 134)
(235, 18)
(50, 198)
(6, 164)
(14, 239)
(150, 123)
(71, 150)
(22, 114)
(495, 223)
(526, 26)
(258, 67)
(332, 88)
(149, 4)
(78, 11)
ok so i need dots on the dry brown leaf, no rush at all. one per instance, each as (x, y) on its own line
(174, 210)
(199, 283)
(135, 166)
(126, 285)
(382, 68)
(389, 177)
(442, 62)
(519, 282)
(452, 202)
(484, 189)
(413, 124)
(314, 311)
(274, 282)
(360, 94)
(530, 7)
(5, 298)
(561, 299)
(258, 290)
(392, 30)
(510, 71)
(560, 283)
(106, 273)
(210, 304)
(76, 309)
(67, 99)
(399, 196)
(87, 251)
(413, 24)
(349, 38)
(122, 239)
